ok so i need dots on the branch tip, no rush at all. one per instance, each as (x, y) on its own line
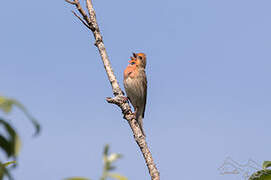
(81, 20)
(71, 2)
(109, 99)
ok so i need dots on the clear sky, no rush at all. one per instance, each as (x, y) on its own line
(208, 68)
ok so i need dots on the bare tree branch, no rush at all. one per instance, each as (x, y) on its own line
(118, 93)
(71, 2)
(82, 12)
(81, 20)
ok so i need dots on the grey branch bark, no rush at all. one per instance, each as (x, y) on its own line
(90, 22)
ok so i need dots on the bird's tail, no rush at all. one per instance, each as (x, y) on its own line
(139, 119)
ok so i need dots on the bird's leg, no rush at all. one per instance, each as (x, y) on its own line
(134, 113)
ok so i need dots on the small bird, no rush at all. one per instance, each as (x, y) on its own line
(135, 84)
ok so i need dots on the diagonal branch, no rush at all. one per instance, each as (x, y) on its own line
(82, 12)
(81, 20)
(118, 93)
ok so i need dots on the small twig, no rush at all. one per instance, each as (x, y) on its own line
(71, 2)
(81, 20)
(81, 11)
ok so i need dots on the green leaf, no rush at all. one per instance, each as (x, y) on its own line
(117, 176)
(5, 104)
(77, 178)
(113, 157)
(17, 145)
(261, 175)
(4, 172)
(12, 144)
(9, 163)
(28, 115)
(106, 150)
(111, 168)
(5, 145)
(266, 164)
(107, 165)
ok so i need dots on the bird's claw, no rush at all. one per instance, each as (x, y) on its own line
(124, 99)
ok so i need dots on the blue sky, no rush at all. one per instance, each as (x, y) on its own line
(208, 68)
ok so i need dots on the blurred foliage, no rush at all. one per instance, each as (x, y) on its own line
(9, 139)
(108, 160)
(266, 164)
(6, 104)
(264, 174)
(77, 178)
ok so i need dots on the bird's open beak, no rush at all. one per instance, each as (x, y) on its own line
(134, 54)
(132, 61)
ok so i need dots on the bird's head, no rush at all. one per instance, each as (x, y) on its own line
(138, 59)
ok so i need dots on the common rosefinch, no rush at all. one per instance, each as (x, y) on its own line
(135, 84)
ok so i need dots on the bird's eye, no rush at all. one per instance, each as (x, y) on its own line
(140, 57)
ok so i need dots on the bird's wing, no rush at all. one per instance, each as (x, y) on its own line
(144, 85)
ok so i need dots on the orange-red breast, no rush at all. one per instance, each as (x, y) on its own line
(135, 84)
